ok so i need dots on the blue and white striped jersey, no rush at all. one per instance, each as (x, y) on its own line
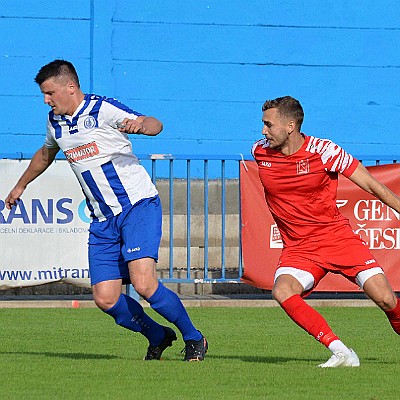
(100, 155)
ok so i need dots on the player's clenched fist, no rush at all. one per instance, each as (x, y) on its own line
(13, 197)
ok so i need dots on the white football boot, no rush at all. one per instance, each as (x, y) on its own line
(339, 359)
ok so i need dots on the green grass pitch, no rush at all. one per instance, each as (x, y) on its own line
(255, 353)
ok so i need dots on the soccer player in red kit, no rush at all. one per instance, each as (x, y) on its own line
(299, 174)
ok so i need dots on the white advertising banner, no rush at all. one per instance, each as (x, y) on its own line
(44, 238)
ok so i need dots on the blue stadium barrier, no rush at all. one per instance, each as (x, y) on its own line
(219, 173)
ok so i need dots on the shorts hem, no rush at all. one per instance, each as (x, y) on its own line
(124, 280)
(140, 257)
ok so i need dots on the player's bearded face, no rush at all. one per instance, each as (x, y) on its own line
(274, 129)
(56, 95)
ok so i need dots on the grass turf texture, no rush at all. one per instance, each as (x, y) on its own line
(255, 353)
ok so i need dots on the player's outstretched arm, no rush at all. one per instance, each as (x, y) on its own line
(39, 163)
(362, 178)
(141, 125)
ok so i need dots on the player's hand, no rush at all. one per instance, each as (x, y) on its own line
(131, 126)
(13, 197)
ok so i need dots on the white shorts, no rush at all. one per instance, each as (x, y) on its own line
(307, 280)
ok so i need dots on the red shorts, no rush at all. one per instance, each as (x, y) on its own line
(345, 256)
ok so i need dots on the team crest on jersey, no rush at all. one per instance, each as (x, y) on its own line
(89, 122)
(303, 167)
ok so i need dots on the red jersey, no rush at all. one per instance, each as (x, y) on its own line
(300, 191)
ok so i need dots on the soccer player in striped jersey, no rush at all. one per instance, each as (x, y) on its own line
(125, 229)
(299, 174)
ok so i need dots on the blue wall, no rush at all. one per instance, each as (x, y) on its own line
(205, 68)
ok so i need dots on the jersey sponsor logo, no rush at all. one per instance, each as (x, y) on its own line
(81, 152)
(265, 164)
(368, 262)
(89, 122)
(303, 167)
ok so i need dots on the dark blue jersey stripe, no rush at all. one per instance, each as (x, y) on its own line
(88, 178)
(55, 125)
(122, 106)
(95, 110)
(91, 209)
(116, 184)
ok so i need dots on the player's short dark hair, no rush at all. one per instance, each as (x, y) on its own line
(287, 107)
(57, 69)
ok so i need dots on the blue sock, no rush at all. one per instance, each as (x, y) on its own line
(168, 304)
(128, 313)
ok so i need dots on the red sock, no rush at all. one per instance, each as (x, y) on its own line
(309, 319)
(394, 317)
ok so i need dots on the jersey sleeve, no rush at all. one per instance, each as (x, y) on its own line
(115, 111)
(260, 142)
(333, 157)
(50, 141)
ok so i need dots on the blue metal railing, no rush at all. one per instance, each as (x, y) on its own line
(219, 174)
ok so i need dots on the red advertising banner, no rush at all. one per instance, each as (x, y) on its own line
(377, 224)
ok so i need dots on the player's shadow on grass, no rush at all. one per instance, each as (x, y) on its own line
(263, 359)
(72, 356)
(282, 360)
